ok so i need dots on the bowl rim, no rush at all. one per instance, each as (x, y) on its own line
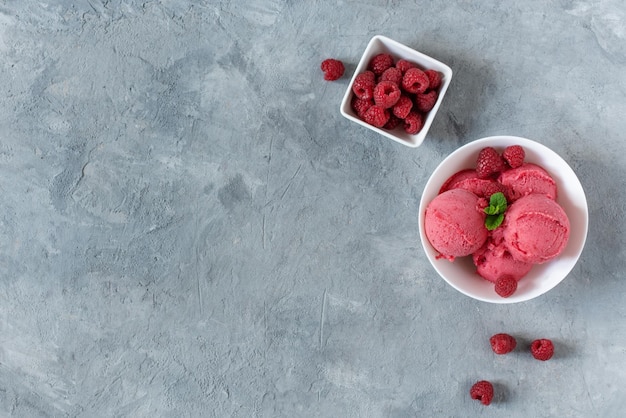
(412, 141)
(576, 209)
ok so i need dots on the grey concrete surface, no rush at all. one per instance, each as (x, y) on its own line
(189, 228)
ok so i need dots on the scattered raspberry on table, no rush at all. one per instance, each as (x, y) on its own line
(502, 343)
(482, 391)
(542, 349)
(333, 69)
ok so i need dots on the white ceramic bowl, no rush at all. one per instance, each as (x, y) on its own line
(461, 274)
(378, 45)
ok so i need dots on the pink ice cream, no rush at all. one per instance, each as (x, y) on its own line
(528, 179)
(466, 174)
(536, 229)
(493, 260)
(454, 223)
(468, 180)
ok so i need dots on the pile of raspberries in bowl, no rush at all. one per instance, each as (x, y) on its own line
(396, 91)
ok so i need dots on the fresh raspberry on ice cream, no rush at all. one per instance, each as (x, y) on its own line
(488, 163)
(492, 187)
(514, 155)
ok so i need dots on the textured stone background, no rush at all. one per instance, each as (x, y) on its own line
(190, 228)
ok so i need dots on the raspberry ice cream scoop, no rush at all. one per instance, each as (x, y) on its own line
(493, 261)
(454, 223)
(528, 179)
(536, 229)
(468, 179)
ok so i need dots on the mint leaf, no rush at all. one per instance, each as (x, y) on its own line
(495, 211)
(493, 221)
(491, 210)
(499, 201)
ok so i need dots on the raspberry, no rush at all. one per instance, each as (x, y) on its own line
(506, 286)
(413, 123)
(363, 86)
(333, 69)
(488, 163)
(392, 122)
(426, 101)
(415, 81)
(542, 349)
(514, 155)
(502, 343)
(403, 107)
(386, 94)
(392, 74)
(376, 116)
(380, 63)
(494, 187)
(360, 106)
(482, 391)
(434, 78)
(369, 75)
(404, 65)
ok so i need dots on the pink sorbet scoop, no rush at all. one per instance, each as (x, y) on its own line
(536, 229)
(455, 224)
(528, 179)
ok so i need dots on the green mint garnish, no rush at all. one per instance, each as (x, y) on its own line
(493, 221)
(495, 211)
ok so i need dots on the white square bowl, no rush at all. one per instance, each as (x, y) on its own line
(380, 45)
